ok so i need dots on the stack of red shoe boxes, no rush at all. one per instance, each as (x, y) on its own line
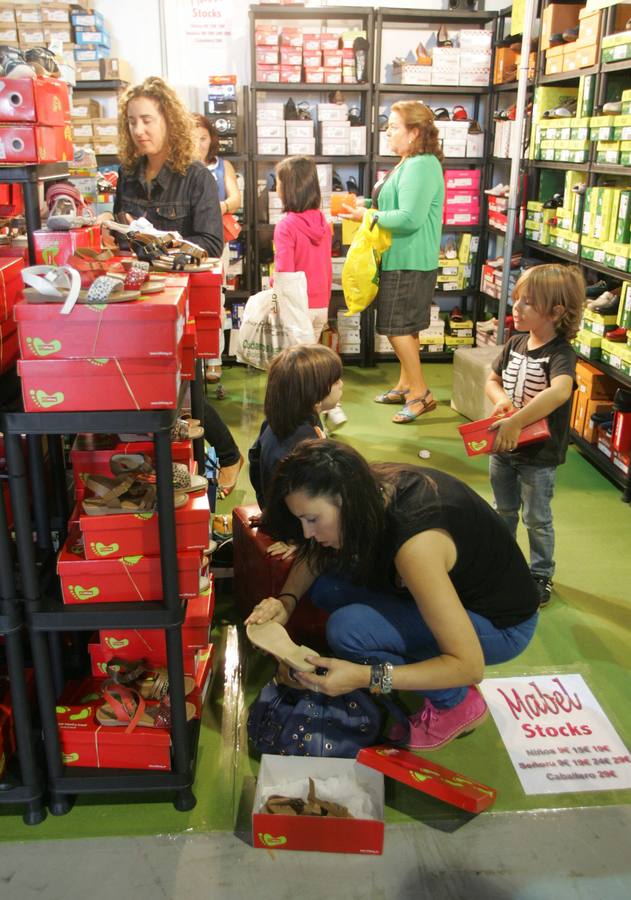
(115, 558)
(10, 291)
(103, 356)
(205, 308)
(34, 121)
(7, 731)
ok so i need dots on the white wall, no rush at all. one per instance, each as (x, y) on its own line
(135, 28)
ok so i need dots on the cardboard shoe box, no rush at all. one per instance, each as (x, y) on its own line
(126, 580)
(41, 100)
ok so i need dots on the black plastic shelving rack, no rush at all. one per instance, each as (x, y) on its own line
(46, 616)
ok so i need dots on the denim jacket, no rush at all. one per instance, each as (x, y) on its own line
(186, 203)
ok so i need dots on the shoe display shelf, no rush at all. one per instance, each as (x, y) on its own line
(29, 176)
(112, 88)
(357, 95)
(22, 782)
(46, 617)
(609, 80)
(477, 99)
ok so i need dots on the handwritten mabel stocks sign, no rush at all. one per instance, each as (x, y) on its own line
(557, 736)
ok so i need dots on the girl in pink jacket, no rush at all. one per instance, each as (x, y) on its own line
(302, 243)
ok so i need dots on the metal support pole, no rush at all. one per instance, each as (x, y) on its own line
(515, 169)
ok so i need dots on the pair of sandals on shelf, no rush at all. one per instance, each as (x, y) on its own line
(137, 694)
(166, 251)
(133, 488)
(184, 428)
(88, 280)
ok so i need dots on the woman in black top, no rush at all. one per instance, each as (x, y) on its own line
(161, 179)
(424, 582)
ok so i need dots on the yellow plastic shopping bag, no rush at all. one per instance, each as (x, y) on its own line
(360, 275)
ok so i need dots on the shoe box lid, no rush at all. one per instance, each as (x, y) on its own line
(429, 778)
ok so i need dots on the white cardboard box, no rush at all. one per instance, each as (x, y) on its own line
(270, 130)
(357, 139)
(301, 147)
(332, 112)
(298, 130)
(336, 148)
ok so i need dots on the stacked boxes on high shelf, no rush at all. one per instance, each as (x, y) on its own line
(456, 262)
(578, 54)
(291, 55)
(468, 62)
(34, 121)
(280, 136)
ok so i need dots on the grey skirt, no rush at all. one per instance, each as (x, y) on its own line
(404, 301)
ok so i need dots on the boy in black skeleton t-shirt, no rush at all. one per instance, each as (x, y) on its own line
(534, 374)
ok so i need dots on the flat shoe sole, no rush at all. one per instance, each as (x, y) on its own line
(273, 638)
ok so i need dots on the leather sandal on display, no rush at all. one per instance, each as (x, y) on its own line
(108, 289)
(406, 414)
(152, 684)
(52, 284)
(140, 465)
(272, 637)
(185, 429)
(126, 707)
(441, 114)
(442, 37)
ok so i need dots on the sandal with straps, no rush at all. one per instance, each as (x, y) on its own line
(52, 284)
(125, 707)
(123, 494)
(406, 415)
(108, 289)
(151, 684)
(272, 637)
(140, 465)
(393, 397)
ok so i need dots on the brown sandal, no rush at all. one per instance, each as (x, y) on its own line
(406, 415)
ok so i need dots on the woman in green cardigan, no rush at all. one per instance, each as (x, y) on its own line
(408, 202)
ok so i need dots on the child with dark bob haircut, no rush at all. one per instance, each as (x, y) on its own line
(533, 377)
(303, 382)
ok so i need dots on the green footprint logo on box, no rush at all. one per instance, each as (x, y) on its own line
(83, 594)
(69, 757)
(43, 348)
(271, 841)
(115, 644)
(44, 400)
(478, 445)
(103, 549)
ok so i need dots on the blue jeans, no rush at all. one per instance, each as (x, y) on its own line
(530, 488)
(374, 626)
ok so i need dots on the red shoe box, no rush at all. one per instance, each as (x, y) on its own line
(98, 462)
(54, 248)
(72, 385)
(14, 251)
(151, 326)
(123, 580)
(208, 326)
(33, 144)
(41, 100)
(478, 439)
(121, 535)
(151, 642)
(9, 349)
(621, 432)
(189, 351)
(84, 742)
(11, 201)
(10, 285)
(205, 291)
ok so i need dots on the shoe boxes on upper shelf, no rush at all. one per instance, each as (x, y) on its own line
(467, 62)
(462, 200)
(10, 291)
(34, 120)
(455, 139)
(291, 55)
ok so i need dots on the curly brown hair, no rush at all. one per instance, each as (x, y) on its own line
(556, 291)
(419, 116)
(204, 122)
(179, 122)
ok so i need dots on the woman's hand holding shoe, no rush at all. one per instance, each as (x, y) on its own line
(355, 213)
(341, 676)
(268, 610)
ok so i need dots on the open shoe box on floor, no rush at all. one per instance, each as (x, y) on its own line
(358, 835)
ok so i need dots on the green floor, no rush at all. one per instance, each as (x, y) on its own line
(586, 628)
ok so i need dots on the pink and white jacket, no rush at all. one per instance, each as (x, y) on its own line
(302, 243)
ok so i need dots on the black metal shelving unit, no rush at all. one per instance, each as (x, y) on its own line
(29, 177)
(22, 783)
(386, 92)
(357, 16)
(46, 616)
(593, 171)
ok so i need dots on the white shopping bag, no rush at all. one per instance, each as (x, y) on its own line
(274, 320)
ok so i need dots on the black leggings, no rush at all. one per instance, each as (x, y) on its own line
(218, 435)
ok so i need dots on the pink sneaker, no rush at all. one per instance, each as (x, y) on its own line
(432, 728)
